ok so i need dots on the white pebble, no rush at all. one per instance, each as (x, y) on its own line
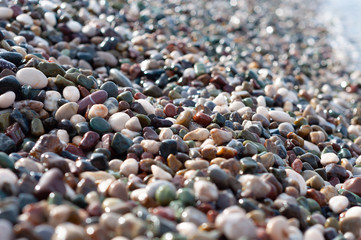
(77, 118)
(51, 98)
(160, 174)
(328, 158)
(150, 146)
(50, 18)
(32, 77)
(129, 166)
(234, 106)
(25, 19)
(205, 191)
(279, 116)
(63, 135)
(71, 93)
(117, 121)
(7, 99)
(220, 100)
(6, 13)
(338, 203)
(74, 26)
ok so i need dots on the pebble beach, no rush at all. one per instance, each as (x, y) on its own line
(176, 120)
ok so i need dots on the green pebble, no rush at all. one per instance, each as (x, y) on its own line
(5, 161)
(37, 128)
(55, 198)
(125, 96)
(186, 195)
(84, 81)
(4, 121)
(199, 69)
(100, 125)
(51, 69)
(120, 143)
(164, 195)
(344, 153)
(144, 120)
(62, 82)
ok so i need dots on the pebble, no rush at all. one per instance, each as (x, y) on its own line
(279, 116)
(220, 137)
(328, 158)
(205, 191)
(98, 110)
(119, 120)
(338, 203)
(51, 99)
(74, 26)
(32, 77)
(353, 185)
(25, 19)
(129, 166)
(71, 93)
(6, 12)
(199, 134)
(278, 228)
(7, 99)
(66, 111)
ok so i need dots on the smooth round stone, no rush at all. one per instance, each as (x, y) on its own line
(167, 147)
(74, 26)
(118, 121)
(164, 194)
(277, 228)
(7, 99)
(51, 99)
(66, 111)
(313, 233)
(98, 110)
(119, 78)
(71, 93)
(111, 88)
(338, 203)
(12, 57)
(100, 125)
(279, 116)
(9, 83)
(50, 18)
(32, 77)
(25, 19)
(286, 127)
(6, 13)
(133, 124)
(351, 224)
(44, 231)
(328, 158)
(129, 166)
(147, 106)
(205, 191)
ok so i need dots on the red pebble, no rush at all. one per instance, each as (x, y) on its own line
(94, 98)
(89, 140)
(202, 119)
(170, 110)
(15, 133)
(297, 165)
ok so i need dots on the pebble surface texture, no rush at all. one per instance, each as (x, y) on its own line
(175, 120)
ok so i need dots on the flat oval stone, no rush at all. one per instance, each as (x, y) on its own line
(94, 98)
(66, 111)
(51, 69)
(32, 77)
(4, 64)
(6, 13)
(9, 83)
(12, 57)
(119, 78)
(279, 116)
(7, 99)
(25, 19)
(100, 125)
